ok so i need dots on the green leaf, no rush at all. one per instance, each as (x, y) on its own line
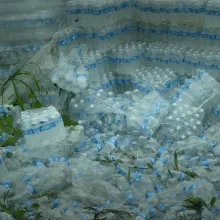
(66, 120)
(36, 105)
(35, 206)
(176, 161)
(107, 159)
(191, 174)
(75, 123)
(150, 166)
(5, 196)
(170, 173)
(9, 120)
(19, 214)
(19, 98)
(213, 200)
(7, 129)
(129, 175)
(203, 202)
(17, 133)
(190, 201)
(10, 141)
(37, 216)
(30, 96)
(1, 123)
(195, 203)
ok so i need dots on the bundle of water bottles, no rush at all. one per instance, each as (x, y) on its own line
(99, 23)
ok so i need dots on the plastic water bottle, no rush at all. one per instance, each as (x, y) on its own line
(214, 115)
(110, 145)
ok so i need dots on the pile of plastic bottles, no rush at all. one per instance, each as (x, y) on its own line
(141, 79)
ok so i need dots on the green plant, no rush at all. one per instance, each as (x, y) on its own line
(6, 126)
(14, 80)
(149, 166)
(176, 166)
(191, 174)
(98, 215)
(107, 161)
(67, 121)
(18, 213)
(212, 202)
(197, 203)
(171, 175)
(184, 217)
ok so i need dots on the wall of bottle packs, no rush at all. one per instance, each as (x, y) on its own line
(102, 26)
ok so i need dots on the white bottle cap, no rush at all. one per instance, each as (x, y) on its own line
(170, 118)
(171, 131)
(189, 133)
(183, 137)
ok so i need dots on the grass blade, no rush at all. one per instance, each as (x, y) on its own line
(129, 175)
(36, 66)
(176, 161)
(31, 90)
(10, 78)
(33, 77)
(191, 174)
(170, 173)
(213, 200)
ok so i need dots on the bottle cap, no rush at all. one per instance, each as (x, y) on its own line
(183, 137)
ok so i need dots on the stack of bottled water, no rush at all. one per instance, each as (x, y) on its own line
(69, 77)
(155, 78)
(160, 54)
(206, 59)
(184, 121)
(95, 64)
(43, 124)
(201, 90)
(127, 58)
(121, 60)
(104, 39)
(26, 26)
(94, 13)
(173, 12)
(142, 79)
(212, 14)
